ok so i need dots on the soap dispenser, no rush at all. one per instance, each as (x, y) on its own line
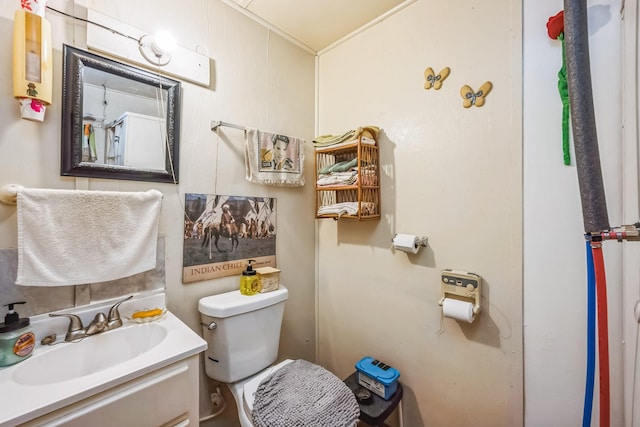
(16, 340)
(249, 283)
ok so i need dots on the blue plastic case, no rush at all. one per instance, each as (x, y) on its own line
(377, 376)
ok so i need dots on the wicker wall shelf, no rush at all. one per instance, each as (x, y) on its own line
(353, 193)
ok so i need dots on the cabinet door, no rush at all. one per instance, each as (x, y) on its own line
(161, 398)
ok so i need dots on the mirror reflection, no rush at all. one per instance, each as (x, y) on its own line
(119, 121)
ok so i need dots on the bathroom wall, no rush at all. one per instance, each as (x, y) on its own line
(258, 79)
(455, 175)
(449, 173)
(554, 249)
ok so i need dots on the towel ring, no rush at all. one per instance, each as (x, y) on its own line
(9, 193)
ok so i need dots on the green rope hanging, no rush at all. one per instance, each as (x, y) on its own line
(555, 29)
(564, 96)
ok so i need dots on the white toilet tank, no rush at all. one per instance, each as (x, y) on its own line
(246, 334)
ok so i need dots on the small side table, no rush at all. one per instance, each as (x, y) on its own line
(375, 410)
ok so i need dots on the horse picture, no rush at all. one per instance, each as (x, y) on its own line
(222, 229)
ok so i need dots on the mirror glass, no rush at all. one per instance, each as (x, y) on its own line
(118, 121)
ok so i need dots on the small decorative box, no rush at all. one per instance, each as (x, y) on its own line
(269, 278)
(377, 376)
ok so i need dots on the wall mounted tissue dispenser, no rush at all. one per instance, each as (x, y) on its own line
(460, 294)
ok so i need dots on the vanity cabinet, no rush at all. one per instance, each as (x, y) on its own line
(164, 397)
(351, 193)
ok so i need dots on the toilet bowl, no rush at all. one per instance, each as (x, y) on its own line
(244, 392)
(243, 333)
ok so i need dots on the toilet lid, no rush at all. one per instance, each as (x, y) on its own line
(304, 394)
(251, 386)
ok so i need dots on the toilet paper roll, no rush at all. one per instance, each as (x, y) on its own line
(406, 243)
(459, 310)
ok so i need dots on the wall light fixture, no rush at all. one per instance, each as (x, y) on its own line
(158, 48)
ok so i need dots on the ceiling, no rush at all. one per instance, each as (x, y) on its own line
(318, 23)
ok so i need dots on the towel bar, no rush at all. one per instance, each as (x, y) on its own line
(9, 193)
(215, 124)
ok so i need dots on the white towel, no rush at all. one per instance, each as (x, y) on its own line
(274, 159)
(347, 208)
(72, 237)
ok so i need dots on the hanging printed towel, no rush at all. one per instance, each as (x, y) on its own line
(274, 159)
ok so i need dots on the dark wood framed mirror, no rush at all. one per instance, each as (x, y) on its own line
(118, 121)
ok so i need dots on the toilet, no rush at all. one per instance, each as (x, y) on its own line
(243, 333)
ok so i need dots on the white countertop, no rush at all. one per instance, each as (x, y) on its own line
(20, 403)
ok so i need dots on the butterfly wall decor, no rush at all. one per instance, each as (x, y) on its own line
(433, 80)
(477, 98)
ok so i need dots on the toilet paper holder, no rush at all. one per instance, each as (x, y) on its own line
(461, 284)
(420, 241)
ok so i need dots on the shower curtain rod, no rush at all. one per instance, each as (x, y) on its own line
(215, 124)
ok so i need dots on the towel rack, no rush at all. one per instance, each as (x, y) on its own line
(215, 124)
(9, 193)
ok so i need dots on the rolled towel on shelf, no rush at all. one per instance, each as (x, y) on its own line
(367, 133)
(72, 237)
(347, 208)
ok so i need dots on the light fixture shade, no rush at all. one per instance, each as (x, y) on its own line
(157, 49)
(163, 43)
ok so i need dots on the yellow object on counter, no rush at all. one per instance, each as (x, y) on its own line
(147, 313)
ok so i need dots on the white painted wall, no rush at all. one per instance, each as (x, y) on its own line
(258, 80)
(554, 249)
(630, 214)
(449, 173)
(399, 292)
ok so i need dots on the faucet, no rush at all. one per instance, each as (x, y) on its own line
(113, 319)
(75, 330)
(100, 323)
(97, 325)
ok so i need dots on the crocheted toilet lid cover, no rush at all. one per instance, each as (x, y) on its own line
(304, 394)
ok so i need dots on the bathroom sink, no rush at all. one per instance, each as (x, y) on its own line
(67, 361)
(58, 376)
